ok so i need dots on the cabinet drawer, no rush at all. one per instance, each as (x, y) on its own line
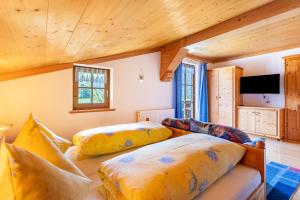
(266, 122)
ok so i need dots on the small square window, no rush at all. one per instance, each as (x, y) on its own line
(91, 88)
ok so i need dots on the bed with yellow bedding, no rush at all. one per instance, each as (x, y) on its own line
(179, 168)
(228, 181)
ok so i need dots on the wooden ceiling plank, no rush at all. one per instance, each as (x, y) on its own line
(177, 12)
(154, 24)
(277, 33)
(61, 24)
(95, 14)
(266, 11)
(27, 22)
(112, 24)
(9, 55)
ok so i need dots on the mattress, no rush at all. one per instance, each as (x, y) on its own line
(237, 184)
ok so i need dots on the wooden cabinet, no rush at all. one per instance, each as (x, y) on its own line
(224, 94)
(292, 97)
(262, 121)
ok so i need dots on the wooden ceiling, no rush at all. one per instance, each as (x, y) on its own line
(273, 34)
(39, 33)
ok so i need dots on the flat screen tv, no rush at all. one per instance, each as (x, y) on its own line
(264, 84)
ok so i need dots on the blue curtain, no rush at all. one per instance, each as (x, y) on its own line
(178, 91)
(203, 96)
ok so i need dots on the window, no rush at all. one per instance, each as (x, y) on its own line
(91, 88)
(188, 90)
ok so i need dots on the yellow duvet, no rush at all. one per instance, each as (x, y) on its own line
(179, 168)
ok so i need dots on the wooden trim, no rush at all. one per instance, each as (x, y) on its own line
(176, 132)
(198, 58)
(92, 110)
(255, 157)
(57, 67)
(261, 108)
(222, 68)
(297, 56)
(218, 60)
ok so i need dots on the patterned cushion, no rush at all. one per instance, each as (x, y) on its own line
(177, 123)
(199, 127)
(224, 132)
(228, 133)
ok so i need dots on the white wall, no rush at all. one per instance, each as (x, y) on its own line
(263, 64)
(49, 97)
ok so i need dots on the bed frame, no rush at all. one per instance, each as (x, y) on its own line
(255, 157)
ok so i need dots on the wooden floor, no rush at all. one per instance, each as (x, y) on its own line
(285, 153)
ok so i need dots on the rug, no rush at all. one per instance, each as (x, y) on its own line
(282, 181)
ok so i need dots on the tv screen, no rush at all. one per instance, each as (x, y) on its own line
(264, 84)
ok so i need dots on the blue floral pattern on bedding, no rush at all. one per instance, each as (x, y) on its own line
(166, 160)
(212, 155)
(127, 159)
(203, 186)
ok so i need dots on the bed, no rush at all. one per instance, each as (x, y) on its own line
(244, 181)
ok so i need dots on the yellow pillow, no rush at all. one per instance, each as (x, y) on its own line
(26, 176)
(36, 141)
(61, 143)
(116, 138)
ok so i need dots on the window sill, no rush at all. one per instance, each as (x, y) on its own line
(92, 110)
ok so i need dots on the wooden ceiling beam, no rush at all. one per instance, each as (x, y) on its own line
(198, 58)
(274, 8)
(57, 67)
(171, 56)
(286, 47)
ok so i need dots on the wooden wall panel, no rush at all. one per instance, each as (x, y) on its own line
(292, 98)
(213, 95)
